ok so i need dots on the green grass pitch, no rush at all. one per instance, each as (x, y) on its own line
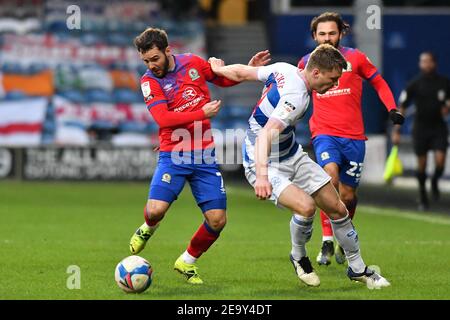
(47, 227)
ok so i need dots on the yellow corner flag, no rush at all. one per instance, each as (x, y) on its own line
(393, 166)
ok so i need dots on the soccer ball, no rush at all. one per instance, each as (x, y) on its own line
(134, 274)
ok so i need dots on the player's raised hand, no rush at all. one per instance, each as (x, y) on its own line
(396, 117)
(263, 188)
(211, 108)
(216, 64)
(260, 59)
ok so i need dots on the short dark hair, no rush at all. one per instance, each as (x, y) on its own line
(326, 58)
(151, 38)
(343, 26)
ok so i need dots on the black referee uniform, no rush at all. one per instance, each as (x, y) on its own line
(429, 93)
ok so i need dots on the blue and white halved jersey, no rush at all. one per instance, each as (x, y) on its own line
(285, 97)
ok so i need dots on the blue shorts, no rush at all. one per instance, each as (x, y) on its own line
(203, 176)
(347, 153)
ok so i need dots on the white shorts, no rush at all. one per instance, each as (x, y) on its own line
(299, 170)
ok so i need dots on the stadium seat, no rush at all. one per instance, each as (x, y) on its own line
(36, 68)
(13, 68)
(218, 124)
(73, 124)
(236, 124)
(98, 95)
(102, 125)
(90, 39)
(55, 26)
(133, 126)
(240, 112)
(141, 69)
(75, 96)
(66, 77)
(93, 76)
(14, 95)
(118, 39)
(126, 96)
(152, 127)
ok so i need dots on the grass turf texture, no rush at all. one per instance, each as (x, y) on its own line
(46, 227)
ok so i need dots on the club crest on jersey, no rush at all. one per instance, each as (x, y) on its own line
(324, 156)
(193, 73)
(166, 178)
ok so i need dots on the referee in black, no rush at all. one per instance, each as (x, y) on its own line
(430, 93)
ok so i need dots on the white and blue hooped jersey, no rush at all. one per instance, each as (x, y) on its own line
(285, 97)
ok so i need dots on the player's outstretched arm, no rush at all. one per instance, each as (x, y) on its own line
(234, 72)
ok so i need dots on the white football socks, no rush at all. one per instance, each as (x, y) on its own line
(188, 258)
(301, 230)
(347, 238)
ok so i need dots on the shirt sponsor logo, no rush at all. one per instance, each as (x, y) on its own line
(189, 104)
(193, 73)
(189, 93)
(279, 77)
(334, 93)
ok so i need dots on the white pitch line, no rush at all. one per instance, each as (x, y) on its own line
(406, 215)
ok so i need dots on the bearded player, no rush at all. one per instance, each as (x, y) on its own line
(176, 93)
(336, 124)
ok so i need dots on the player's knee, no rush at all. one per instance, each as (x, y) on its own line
(217, 222)
(305, 208)
(341, 210)
(337, 210)
(156, 211)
